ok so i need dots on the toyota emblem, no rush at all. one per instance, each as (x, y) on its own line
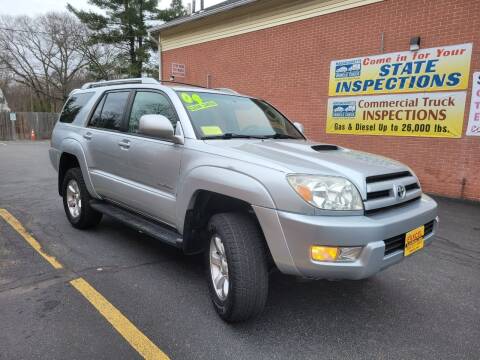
(400, 191)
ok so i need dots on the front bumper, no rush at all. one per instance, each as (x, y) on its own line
(289, 237)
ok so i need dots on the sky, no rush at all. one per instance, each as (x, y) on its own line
(34, 7)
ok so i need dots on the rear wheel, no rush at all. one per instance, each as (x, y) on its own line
(237, 268)
(76, 201)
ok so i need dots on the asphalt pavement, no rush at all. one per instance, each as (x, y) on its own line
(427, 307)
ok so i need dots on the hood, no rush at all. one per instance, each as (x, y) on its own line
(306, 157)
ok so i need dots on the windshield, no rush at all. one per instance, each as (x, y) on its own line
(220, 116)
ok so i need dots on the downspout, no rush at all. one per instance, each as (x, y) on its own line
(159, 47)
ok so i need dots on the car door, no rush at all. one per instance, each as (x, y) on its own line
(154, 163)
(106, 149)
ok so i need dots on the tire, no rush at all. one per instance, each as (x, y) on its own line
(86, 217)
(247, 270)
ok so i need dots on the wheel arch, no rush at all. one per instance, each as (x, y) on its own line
(72, 155)
(202, 195)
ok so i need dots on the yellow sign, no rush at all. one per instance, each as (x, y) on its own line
(424, 114)
(414, 240)
(200, 104)
(211, 130)
(425, 70)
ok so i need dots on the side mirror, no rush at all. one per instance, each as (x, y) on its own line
(299, 127)
(158, 126)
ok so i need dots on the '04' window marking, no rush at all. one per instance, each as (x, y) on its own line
(197, 103)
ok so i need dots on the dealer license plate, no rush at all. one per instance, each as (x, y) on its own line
(414, 240)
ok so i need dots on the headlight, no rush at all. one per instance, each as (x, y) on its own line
(327, 192)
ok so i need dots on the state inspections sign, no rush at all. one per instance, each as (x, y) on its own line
(425, 70)
(424, 114)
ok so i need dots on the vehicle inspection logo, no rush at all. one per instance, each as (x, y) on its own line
(344, 109)
(348, 68)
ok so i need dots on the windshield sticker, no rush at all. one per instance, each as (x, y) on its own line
(211, 130)
(197, 103)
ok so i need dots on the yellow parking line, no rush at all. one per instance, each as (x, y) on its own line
(130, 333)
(14, 223)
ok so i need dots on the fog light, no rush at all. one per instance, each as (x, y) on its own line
(324, 253)
(333, 253)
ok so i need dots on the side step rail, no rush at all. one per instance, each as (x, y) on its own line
(138, 222)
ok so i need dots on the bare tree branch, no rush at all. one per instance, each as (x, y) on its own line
(51, 54)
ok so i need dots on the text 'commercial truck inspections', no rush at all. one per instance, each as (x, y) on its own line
(423, 114)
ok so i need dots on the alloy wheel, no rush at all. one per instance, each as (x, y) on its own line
(219, 267)
(74, 200)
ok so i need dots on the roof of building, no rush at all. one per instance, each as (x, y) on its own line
(211, 10)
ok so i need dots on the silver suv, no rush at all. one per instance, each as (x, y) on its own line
(215, 172)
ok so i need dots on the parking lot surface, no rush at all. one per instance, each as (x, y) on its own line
(427, 307)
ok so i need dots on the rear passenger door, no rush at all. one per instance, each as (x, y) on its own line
(106, 149)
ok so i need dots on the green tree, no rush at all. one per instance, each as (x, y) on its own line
(124, 23)
(175, 10)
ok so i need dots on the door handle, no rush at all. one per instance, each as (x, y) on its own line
(88, 135)
(124, 144)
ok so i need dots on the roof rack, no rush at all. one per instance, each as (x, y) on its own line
(182, 83)
(200, 86)
(90, 85)
(231, 91)
(103, 83)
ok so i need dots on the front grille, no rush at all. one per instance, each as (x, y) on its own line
(385, 177)
(412, 186)
(382, 191)
(397, 243)
(389, 207)
(378, 194)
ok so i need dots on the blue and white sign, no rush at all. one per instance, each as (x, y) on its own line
(348, 68)
(344, 109)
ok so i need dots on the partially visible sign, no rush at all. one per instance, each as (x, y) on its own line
(178, 70)
(424, 114)
(441, 68)
(473, 128)
(13, 116)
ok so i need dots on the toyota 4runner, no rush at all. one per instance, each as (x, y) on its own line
(215, 172)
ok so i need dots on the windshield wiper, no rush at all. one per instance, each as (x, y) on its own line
(282, 136)
(228, 136)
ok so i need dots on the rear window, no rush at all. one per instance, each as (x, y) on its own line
(73, 106)
(109, 112)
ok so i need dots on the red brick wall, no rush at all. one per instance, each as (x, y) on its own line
(288, 65)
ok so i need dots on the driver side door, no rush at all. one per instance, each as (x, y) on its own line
(153, 163)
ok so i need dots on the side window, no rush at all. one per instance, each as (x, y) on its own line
(73, 106)
(148, 102)
(109, 112)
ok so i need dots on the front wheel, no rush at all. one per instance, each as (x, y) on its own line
(237, 268)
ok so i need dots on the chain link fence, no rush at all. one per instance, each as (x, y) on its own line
(21, 129)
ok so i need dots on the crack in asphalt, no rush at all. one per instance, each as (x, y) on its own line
(118, 268)
(455, 244)
(29, 286)
(67, 274)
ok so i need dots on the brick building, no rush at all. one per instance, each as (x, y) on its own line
(282, 51)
